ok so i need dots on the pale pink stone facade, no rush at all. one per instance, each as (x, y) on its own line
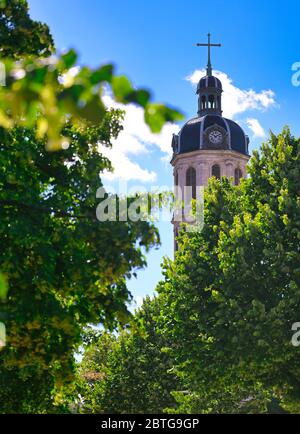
(202, 161)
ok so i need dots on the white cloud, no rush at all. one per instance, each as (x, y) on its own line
(236, 100)
(255, 127)
(135, 139)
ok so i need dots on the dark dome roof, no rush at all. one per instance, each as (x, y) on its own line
(209, 81)
(192, 135)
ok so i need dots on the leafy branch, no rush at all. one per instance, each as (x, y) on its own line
(47, 92)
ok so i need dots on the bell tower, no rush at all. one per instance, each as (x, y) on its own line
(208, 144)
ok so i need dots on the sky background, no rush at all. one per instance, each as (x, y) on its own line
(153, 43)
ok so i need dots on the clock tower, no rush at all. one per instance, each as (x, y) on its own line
(208, 144)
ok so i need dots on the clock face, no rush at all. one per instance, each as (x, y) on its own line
(215, 137)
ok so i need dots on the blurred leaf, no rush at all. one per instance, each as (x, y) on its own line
(2, 335)
(172, 115)
(42, 126)
(3, 287)
(72, 93)
(121, 87)
(102, 74)
(156, 115)
(93, 111)
(69, 59)
(37, 89)
(57, 144)
(38, 75)
(140, 97)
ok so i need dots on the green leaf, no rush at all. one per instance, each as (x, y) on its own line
(93, 111)
(172, 115)
(140, 97)
(102, 74)
(3, 287)
(156, 115)
(121, 87)
(69, 59)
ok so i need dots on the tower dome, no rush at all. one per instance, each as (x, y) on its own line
(211, 132)
(209, 81)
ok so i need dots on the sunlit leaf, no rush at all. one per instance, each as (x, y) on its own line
(2, 335)
(3, 287)
(69, 59)
(140, 97)
(155, 117)
(93, 111)
(121, 87)
(104, 73)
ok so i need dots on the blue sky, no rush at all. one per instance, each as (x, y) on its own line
(153, 43)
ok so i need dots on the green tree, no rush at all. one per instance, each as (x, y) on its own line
(64, 268)
(131, 373)
(232, 292)
(19, 34)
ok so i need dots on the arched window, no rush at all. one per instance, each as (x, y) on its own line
(191, 180)
(203, 101)
(237, 176)
(216, 171)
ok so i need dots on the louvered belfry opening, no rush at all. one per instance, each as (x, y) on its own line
(216, 171)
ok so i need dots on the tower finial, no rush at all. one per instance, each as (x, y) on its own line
(209, 67)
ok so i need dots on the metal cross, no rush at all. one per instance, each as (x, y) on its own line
(209, 67)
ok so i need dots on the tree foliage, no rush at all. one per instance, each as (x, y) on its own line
(19, 34)
(233, 290)
(217, 338)
(130, 373)
(50, 90)
(47, 92)
(62, 268)
(225, 308)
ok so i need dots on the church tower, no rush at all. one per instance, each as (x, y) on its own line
(208, 144)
